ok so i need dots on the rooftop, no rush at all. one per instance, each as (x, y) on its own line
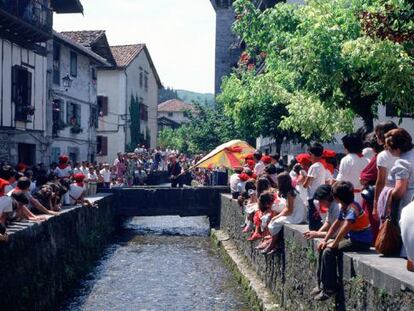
(84, 37)
(125, 54)
(175, 105)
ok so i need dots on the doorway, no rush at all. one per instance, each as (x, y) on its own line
(27, 153)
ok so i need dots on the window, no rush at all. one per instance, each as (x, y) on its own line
(58, 116)
(391, 111)
(94, 76)
(74, 114)
(102, 145)
(73, 64)
(141, 78)
(146, 82)
(170, 114)
(22, 92)
(94, 117)
(143, 112)
(103, 105)
(55, 154)
(56, 63)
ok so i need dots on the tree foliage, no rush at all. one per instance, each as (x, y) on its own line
(308, 70)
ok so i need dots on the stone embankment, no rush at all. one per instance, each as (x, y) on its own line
(41, 262)
(370, 282)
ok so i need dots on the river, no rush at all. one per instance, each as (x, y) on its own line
(159, 263)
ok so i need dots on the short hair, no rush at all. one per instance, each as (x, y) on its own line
(324, 192)
(270, 169)
(343, 191)
(353, 143)
(20, 197)
(23, 183)
(383, 128)
(275, 156)
(257, 155)
(399, 139)
(237, 170)
(372, 141)
(7, 172)
(316, 149)
(265, 199)
(250, 184)
(262, 185)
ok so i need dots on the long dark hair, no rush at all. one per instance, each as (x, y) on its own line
(263, 184)
(284, 184)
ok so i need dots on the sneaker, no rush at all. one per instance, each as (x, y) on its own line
(255, 236)
(315, 291)
(322, 296)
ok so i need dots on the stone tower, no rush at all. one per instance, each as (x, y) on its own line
(227, 46)
(227, 51)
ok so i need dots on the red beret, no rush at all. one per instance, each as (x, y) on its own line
(249, 156)
(266, 159)
(251, 164)
(303, 158)
(244, 177)
(327, 153)
(79, 177)
(63, 158)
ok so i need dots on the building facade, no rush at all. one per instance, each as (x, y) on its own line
(129, 94)
(74, 109)
(26, 27)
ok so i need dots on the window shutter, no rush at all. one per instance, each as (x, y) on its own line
(15, 79)
(29, 88)
(104, 144)
(105, 105)
(78, 114)
(68, 113)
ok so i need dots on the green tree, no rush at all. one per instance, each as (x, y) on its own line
(319, 63)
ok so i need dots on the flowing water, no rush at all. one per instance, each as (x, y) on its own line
(160, 263)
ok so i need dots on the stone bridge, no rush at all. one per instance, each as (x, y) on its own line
(162, 201)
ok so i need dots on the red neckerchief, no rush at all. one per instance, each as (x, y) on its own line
(80, 184)
(63, 166)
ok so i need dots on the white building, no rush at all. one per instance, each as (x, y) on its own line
(75, 111)
(172, 113)
(134, 81)
(131, 79)
(25, 27)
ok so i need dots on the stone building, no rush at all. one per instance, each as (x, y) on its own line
(25, 28)
(228, 46)
(74, 110)
(172, 113)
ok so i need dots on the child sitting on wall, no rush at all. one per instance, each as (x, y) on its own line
(262, 186)
(354, 234)
(292, 213)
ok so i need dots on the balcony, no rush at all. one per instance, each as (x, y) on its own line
(26, 22)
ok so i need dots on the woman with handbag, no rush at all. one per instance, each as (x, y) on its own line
(368, 178)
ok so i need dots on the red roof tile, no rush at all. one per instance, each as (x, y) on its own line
(125, 54)
(174, 105)
(84, 37)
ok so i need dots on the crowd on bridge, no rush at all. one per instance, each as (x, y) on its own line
(351, 202)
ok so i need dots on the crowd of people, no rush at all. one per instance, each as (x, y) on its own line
(351, 202)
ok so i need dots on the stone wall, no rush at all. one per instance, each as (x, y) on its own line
(43, 261)
(148, 201)
(369, 281)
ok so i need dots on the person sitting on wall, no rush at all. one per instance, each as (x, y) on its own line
(23, 185)
(328, 209)
(8, 173)
(6, 208)
(77, 189)
(21, 202)
(174, 171)
(233, 181)
(354, 234)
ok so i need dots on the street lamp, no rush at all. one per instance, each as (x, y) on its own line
(67, 81)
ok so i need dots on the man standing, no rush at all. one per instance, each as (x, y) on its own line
(174, 171)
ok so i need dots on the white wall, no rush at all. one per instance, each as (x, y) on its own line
(150, 97)
(112, 83)
(178, 116)
(82, 92)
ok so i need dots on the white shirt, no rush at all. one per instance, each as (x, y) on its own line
(106, 174)
(234, 180)
(318, 172)
(75, 192)
(386, 159)
(77, 170)
(6, 204)
(259, 168)
(92, 177)
(368, 153)
(350, 169)
(61, 173)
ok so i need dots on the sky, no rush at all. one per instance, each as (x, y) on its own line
(180, 35)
